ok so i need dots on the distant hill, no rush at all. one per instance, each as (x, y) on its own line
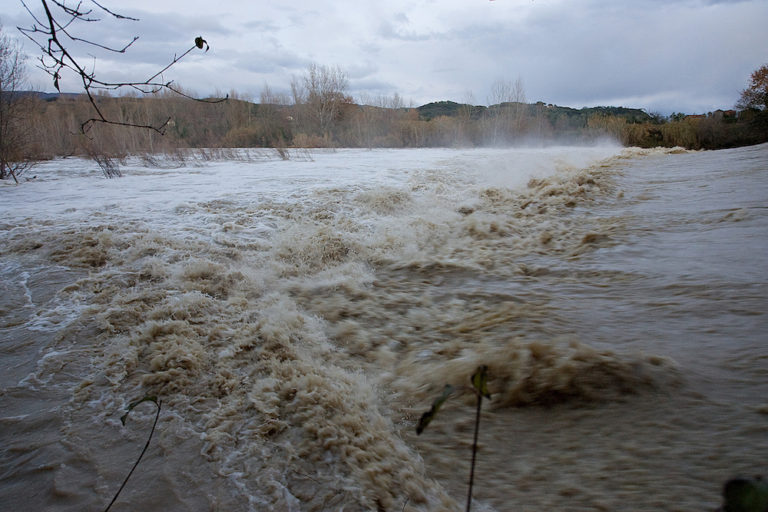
(47, 96)
(552, 112)
(448, 108)
(435, 109)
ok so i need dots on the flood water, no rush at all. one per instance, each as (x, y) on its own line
(296, 317)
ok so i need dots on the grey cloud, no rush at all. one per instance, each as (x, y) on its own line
(589, 54)
(261, 26)
(265, 61)
(361, 70)
(372, 88)
(399, 27)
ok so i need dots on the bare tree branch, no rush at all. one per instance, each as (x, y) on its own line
(119, 16)
(53, 35)
(14, 110)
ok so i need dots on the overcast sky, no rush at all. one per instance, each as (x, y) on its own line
(689, 56)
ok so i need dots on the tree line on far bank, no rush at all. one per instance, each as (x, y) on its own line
(52, 125)
(319, 112)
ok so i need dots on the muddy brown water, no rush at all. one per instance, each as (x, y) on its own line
(295, 321)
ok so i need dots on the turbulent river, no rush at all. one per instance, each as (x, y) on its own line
(296, 317)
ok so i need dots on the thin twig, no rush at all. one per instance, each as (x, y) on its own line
(474, 451)
(157, 415)
(116, 15)
(480, 387)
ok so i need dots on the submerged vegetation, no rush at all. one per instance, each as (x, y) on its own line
(123, 418)
(480, 389)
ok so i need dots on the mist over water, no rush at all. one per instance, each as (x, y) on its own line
(296, 318)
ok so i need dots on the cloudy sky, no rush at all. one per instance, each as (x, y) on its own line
(664, 56)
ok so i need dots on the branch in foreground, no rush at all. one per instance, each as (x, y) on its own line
(131, 406)
(54, 34)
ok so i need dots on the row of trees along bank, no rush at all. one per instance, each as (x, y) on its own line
(53, 125)
(319, 113)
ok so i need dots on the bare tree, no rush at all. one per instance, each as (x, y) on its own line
(275, 122)
(372, 119)
(496, 120)
(13, 110)
(323, 92)
(518, 100)
(57, 30)
(463, 133)
(508, 102)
